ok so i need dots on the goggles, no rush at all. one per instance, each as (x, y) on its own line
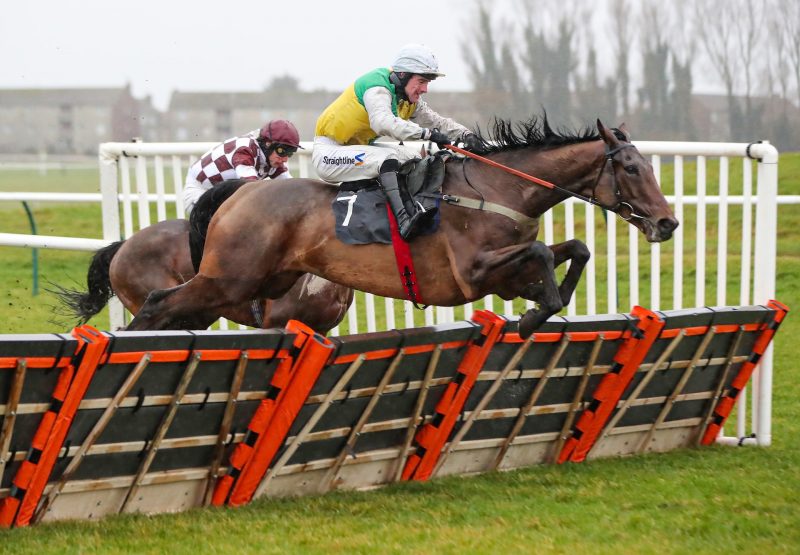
(284, 151)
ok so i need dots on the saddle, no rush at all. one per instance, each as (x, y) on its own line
(360, 206)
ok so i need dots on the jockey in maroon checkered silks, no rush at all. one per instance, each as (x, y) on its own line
(386, 102)
(259, 154)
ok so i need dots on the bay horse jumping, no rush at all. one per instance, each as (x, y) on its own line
(485, 244)
(166, 254)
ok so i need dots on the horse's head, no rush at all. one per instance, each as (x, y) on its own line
(627, 185)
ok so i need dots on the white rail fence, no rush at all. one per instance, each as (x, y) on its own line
(723, 256)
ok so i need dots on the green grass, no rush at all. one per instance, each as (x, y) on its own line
(710, 500)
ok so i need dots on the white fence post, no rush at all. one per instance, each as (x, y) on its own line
(764, 277)
(109, 191)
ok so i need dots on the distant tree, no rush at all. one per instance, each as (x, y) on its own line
(588, 87)
(648, 47)
(750, 34)
(683, 51)
(731, 40)
(654, 92)
(551, 60)
(594, 97)
(284, 84)
(563, 64)
(481, 50)
(778, 72)
(680, 106)
(789, 11)
(778, 69)
(493, 70)
(511, 79)
(534, 54)
(621, 16)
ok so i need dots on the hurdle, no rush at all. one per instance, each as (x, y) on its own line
(98, 423)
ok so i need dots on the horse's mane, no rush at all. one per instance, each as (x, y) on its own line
(202, 212)
(536, 132)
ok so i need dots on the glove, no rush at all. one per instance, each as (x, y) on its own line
(474, 144)
(439, 138)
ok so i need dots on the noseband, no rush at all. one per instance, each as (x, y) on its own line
(622, 209)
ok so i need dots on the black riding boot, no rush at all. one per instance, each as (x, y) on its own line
(406, 223)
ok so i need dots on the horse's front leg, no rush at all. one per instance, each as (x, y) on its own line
(526, 271)
(578, 254)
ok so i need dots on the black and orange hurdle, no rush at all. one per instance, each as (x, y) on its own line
(97, 423)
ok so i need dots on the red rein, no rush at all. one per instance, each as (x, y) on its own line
(502, 167)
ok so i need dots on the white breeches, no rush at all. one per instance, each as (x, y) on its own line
(192, 191)
(335, 162)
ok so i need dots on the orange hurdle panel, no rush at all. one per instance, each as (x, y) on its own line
(430, 439)
(610, 389)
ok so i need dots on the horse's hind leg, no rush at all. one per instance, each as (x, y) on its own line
(193, 305)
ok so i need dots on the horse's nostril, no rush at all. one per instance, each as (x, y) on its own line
(667, 225)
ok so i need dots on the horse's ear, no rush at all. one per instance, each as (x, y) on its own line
(606, 134)
(624, 128)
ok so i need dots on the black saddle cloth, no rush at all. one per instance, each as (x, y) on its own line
(361, 216)
(360, 208)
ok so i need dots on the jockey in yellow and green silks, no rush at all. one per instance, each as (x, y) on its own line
(386, 102)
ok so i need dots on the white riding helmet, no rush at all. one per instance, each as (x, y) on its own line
(416, 58)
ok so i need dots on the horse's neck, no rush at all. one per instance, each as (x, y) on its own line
(569, 166)
(572, 167)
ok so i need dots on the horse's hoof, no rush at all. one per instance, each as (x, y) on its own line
(529, 323)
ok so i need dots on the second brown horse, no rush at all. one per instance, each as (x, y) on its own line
(159, 257)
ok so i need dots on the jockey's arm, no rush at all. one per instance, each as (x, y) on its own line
(244, 163)
(425, 117)
(378, 103)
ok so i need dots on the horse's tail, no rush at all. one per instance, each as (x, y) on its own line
(200, 217)
(84, 305)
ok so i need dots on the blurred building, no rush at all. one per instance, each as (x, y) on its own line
(73, 120)
(215, 116)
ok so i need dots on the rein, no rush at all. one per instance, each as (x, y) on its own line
(623, 209)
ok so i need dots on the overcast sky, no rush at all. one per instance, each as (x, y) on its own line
(159, 46)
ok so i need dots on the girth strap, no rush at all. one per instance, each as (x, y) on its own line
(405, 263)
(258, 314)
(486, 206)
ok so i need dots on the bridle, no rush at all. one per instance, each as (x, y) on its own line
(623, 209)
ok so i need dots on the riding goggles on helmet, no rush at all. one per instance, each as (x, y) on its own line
(284, 150)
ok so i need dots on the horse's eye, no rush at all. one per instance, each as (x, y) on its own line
(633, 170)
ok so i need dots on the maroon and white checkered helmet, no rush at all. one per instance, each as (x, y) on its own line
(281, 131)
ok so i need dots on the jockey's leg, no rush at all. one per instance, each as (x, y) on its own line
(408, 222)
(335, 163)
(192, 191)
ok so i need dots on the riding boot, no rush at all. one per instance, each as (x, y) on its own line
(407, 223)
